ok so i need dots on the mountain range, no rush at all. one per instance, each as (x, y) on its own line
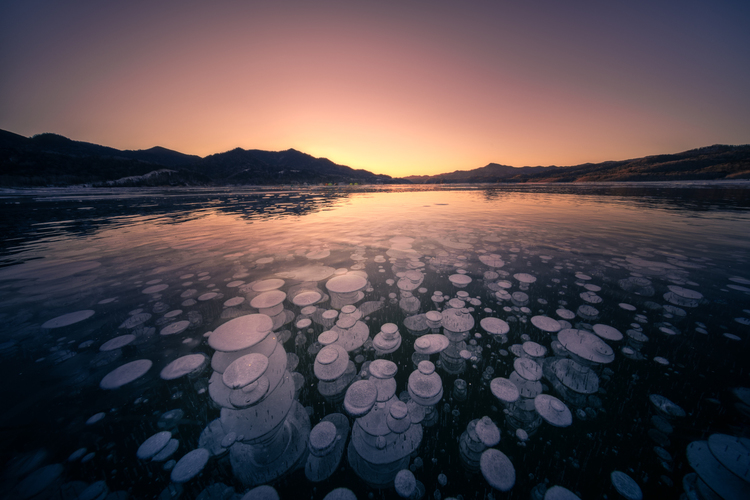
(708, 163)
(54, 160)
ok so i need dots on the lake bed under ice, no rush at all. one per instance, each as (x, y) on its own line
(504, 341)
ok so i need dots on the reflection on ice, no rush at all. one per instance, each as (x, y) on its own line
(536, 353)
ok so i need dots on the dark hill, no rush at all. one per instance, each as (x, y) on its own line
(240, 166)
(708, 163)
(54, 160)
(493, 172)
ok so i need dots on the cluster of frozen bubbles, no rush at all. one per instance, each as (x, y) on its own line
(312, 333)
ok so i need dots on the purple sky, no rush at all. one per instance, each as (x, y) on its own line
(396, 87)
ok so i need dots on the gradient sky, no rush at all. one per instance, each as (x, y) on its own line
(395, 87)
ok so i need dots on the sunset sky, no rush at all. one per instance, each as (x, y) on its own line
(394, 87)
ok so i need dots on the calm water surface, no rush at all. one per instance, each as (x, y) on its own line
(664, 263)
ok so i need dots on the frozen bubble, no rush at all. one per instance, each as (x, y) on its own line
(553, 411)
(431, 343)
(340, 494)
(565, 313)
(322, 436)
(170, 419)
(487, 431)
(519, 298)
(245, 370)
(731, 453)
(579, 379)
(264, 492)
(307, 298)
(190, 465)
(425, 386)
(241, 333)
(267, 285)
(497, 469)
(36, 482)
(175, 328)
(190, 363)
(405, 483)
(117, 343)
(533, 349)
(167, 451)
(360, 397)
(607, 332)
(525, 278)
(456, 303)
(346, 283)
(627, 307)
(545, 323)
(77, 454)
(491, 260)
(666, 406)
(292, 360)
(229, 440)
(591, 298)
(330, 362)
(382, 368)
(528, 369)
(586, 345)
(268, 300)
(125, 374)
(153, 445)
(234, 301)
(626, 486)
(494, 326)
(457, 320)
(560, 493)
(328, 337)
(69, 319)
(303, 323)
(723, 482)
(207, 296)
(250, 394)
(505, 284)
(459, 280)
(135, 320)
(155, 289)
(95, 418)
(685, 292)
(587, 312)
(504, 390)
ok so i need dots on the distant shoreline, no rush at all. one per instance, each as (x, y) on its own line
(544, 186)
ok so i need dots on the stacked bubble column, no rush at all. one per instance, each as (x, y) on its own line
(270, 427)
(522, 414)
(386, 434)
(426, 388)
(480, 434)
(408, 282)
(457, 323)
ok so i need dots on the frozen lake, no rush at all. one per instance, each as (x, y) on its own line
(600, 328)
